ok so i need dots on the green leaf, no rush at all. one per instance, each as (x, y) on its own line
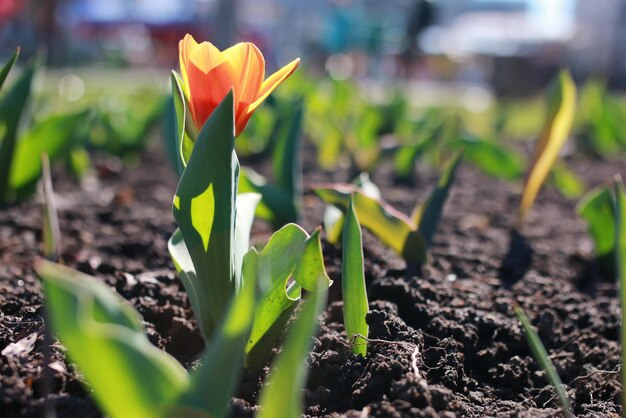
(205, 210)
(11, 109)
(185, 131)
(282, 395)
(425, 217)
(407, 155)
(214, 382)
(619, 206)
(333, 217)
(541, 356)
(491, 158)
(556, 128)
(597, 209)
(277, 206)
(51, 231)
(53, 136)
(393, 228)
(290, 253)
(103, 334)
(6, 69)
(355, 304)
(566, 181)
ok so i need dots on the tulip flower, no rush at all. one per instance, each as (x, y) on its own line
(209, 74)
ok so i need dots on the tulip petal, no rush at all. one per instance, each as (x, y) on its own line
(209, 89)
(272, 82)
(249, 66)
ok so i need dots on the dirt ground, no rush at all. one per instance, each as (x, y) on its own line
(445, 343)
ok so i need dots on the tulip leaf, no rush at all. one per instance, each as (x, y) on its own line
(619, 207)
(393, 228)
(51, 232)
(277, 205)
(282, 395)
(619, 203)
(354, 293)
(597, 209)
(543, 359)
(566, 181)
(6, 69)
(491, 158)
(333, 217)
(104, 336)
(11, 109)
(426, 215)
(407, 155)
(205, 210)
(290, 253)
(184, 128)
(53, 136)
(214, 382)
(556, 128)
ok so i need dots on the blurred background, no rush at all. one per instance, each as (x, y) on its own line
(508, 47)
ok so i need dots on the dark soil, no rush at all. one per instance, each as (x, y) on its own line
(446, 343)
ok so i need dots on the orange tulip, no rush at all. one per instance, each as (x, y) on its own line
(209, 74)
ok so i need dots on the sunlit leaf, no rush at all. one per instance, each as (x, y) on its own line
(104, 336)
(355, 304)
(282, 396)
(567, 182)
(393, 228)
(597, 209)
(204, 209)
(53, 136)
(556, 128)
(290, 253)
(491, 158)
(543, 359)
(214, 382)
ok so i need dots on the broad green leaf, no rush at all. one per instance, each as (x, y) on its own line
(185, 131)
(597, 209)
(566, 181)
(282, 395)
(204, 208)
(104, 336)
(390, 226)
(543, 359)
(11, 109)
(290, 253)
(6, 69)
(556, 128)
(53, 136)
(355, 304)
(277, 206)
(214, 382)
(491, 158)
(51, 231)
(425, 217)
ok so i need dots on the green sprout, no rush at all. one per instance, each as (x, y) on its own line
(543, 359)
(355, 305)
